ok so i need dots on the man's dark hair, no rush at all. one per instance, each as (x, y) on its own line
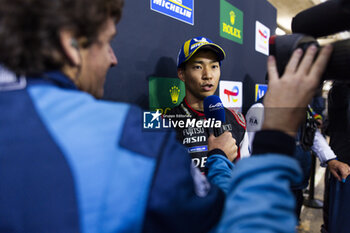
(29, 30)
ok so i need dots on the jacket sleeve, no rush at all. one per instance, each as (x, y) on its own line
(322, 149)
(259, 197)
(220, 171)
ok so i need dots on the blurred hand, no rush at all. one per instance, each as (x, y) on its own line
(339, 169)
(224, 142)
(287, 97)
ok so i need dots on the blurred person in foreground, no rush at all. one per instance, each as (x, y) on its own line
(72, 163)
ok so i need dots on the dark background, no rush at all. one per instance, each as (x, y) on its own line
(148, 42)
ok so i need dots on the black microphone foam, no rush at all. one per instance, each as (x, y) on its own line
(324, 19)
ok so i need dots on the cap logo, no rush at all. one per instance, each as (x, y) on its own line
(187, 48)
(198, 44)
(201, 40)
(191, 46)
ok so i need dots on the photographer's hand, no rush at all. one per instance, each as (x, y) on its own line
(287, 97)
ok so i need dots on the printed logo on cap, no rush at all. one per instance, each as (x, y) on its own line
(182, 10)
(231, 22)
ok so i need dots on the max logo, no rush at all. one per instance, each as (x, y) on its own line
(232, 94)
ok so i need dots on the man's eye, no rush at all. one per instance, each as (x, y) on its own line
(215, 66)
(197, 67)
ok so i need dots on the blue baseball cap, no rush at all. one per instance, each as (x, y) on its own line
(191, 46)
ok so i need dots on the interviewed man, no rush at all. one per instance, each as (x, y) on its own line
(199, 67)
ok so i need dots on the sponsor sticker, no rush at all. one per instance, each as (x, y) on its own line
(231, 94)
(197, 149)
(165, 93)
(262, 36)
(194, 139)
(182, 10)
(231, 22)
(260, 90)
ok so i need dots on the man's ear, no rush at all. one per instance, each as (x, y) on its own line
(70, 47)
(181, 74)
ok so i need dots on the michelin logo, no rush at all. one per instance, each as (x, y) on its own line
(178, 9)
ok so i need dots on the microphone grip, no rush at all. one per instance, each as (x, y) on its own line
(218, 131)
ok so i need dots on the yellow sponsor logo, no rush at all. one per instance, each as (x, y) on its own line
(232, 17)
(174, 94)
(231, 30)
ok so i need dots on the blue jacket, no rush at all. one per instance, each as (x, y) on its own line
(71, 163)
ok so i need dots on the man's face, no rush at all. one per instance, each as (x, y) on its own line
(201, 75)
(96, 60)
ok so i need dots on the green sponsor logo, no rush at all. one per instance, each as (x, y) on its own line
(231, 22)
(165, 93)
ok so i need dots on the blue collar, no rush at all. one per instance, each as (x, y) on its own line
(55, 77)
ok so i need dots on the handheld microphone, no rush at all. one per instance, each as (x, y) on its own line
(324, 19)
(214, 109)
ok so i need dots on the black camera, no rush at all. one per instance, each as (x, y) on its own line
(324, 19)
